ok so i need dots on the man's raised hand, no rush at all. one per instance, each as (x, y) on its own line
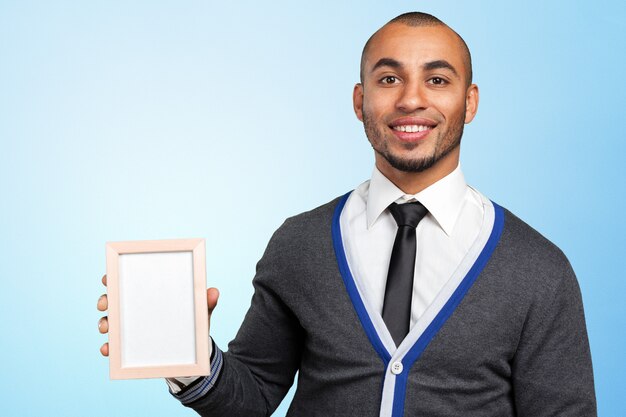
(212, 295)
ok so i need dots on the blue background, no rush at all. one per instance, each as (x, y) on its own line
(172, 119)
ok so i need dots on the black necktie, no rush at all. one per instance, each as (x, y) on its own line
(399, 288)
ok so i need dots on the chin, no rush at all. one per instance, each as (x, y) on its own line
(406, 164)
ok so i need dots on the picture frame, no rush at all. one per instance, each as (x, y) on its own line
(157, 308)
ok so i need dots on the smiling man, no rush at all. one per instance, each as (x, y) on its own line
(415, 95)
(414, 294)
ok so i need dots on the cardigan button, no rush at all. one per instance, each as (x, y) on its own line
(396, 368)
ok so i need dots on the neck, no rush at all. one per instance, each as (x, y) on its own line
(414, 182)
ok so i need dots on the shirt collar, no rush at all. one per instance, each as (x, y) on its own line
(443, 199)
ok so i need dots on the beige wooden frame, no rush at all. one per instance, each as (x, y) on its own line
(201, 365)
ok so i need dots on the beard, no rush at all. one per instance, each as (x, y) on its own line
(446, 142)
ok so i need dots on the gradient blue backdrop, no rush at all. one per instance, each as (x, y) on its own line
(166, 119)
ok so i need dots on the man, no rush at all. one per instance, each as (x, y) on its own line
(413, 294)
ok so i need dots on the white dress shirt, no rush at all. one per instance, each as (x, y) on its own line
(444, 236)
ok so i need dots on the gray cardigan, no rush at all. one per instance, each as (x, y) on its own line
(511, 341)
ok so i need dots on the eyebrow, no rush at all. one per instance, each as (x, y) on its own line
(440, 64)
(386, 62)
(429, 66)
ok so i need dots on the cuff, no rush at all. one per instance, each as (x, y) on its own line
(178, 384)
(201, 386)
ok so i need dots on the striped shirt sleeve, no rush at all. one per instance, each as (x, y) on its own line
(195, 388)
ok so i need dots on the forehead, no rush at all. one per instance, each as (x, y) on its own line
(415, 46)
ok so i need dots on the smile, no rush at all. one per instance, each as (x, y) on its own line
(411, 128)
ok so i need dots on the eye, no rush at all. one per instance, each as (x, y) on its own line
(389, 79)
(437, 81)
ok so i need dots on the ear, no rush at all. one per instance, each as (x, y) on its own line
(357, 101)
(471, 103)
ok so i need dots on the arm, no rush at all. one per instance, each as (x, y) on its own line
(257, 371)
(551, 371)
(255, 374)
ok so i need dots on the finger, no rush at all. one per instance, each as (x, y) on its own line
(104, 349)
(212, 294)
(103, 325)
(104, 280)
(103, 302)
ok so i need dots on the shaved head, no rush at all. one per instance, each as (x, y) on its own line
(419, 19)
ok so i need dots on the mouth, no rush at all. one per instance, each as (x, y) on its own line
(411, 129)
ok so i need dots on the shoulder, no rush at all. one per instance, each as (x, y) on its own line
(301, 247)
(529, 258)
(521, 238)
(308, 232)
(311, 224)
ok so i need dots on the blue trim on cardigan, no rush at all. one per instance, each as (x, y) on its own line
(416, 351)
(453, 302)
(353, 292)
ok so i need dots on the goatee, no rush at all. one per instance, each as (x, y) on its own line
(450, 140)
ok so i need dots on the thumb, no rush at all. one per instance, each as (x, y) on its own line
(212, 294)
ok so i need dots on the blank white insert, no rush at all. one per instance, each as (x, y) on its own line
(157, 309)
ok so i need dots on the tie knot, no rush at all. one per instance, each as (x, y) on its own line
(408, 214)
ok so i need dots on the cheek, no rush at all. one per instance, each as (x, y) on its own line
(452, 108)
(449, 102)
(377, 108)
(380, 100)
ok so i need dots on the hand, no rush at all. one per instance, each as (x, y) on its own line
(212, 295)
(103, 323)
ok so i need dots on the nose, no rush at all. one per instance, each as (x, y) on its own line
(412, 98)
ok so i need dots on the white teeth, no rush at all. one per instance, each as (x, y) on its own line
(411, 128)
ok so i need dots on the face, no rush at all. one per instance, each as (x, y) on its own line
(415, 98)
